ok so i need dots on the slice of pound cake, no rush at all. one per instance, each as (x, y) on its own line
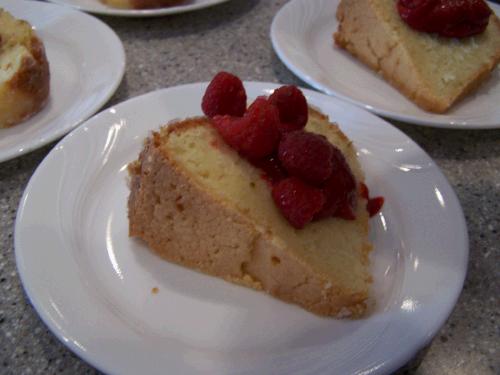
(24, 71)
(434, 51)
(199, 202)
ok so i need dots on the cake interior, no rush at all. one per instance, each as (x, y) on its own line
(15, 38)
(335, 248)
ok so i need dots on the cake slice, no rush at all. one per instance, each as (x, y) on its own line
(24, 71)
(196, 202)
(433, 71)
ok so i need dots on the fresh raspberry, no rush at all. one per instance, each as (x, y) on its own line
(340, 190)
(297, 201)
(363, 191)
(346, 210)
(307, 156)
(460, 19)
(286, 128)
(255, 135)
(225, 95)
(331, 206)
(292, 106)
(272, 168)
(450, 18)
(374, 205)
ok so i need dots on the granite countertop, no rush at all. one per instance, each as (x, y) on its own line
(234, 36)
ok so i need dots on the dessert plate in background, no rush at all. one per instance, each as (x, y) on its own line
(302, 36)
(94, 286)
(87, 62)
(95, 6)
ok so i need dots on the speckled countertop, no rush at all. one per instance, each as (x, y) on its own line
(234, 36)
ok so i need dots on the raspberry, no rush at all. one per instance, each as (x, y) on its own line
(292, 106)
(255, 135)
(297, 201)
(363, 191)
(374, 205)
(339, 191)
(286, 128)
(225, 95)
(307, 156)
(450, 18)
(272, 168)
(346, 209)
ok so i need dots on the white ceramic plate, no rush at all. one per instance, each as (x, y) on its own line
(87, 62)
(302, 36)
(92, 284)
(95, 6)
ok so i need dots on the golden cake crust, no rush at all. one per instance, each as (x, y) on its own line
(374, 43)
(26, 92)
(181, 221)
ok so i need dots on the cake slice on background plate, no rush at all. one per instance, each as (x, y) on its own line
(24, 71)
(435, 52)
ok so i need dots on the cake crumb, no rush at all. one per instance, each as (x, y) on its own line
(448, 77)
(155, 290)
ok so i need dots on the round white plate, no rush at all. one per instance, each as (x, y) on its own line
(92, 284)
(302, 36)
(87, 62)
(95, 6)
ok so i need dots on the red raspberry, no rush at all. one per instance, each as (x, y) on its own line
(347, 210)
(363, 191)
(374, 205)
(292, 106)
(340, 190)
(307, 156)
(297, 201)
(272, 168)
(225, 95)
(450, 18)
(460, 19)
(286, 128)
(255, 135)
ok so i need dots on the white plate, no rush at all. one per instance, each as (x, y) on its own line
(92, 284)
(95, 6)
(302, 36)
(87, 63)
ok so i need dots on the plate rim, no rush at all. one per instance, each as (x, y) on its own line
(33, 144)
(391, 364)
(394, 115)
(176, 9)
